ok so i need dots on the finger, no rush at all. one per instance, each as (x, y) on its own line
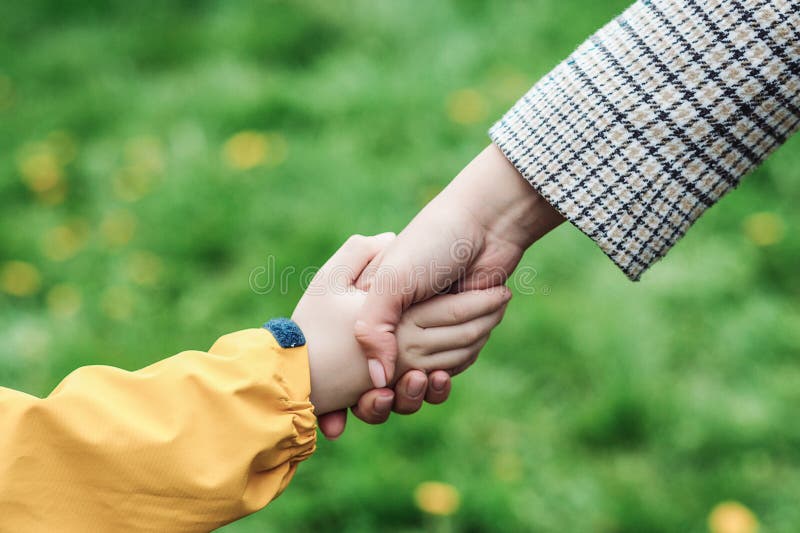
(439, 384)
(377, 321)
(410, 392)
(483, 278)
(347, 263)
(444, 338)
(452, 309)
(332, 424)
(461, 368)
(456, 358)
(392, 290)
(374, 406)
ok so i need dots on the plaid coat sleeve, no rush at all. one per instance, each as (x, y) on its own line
(656, 116)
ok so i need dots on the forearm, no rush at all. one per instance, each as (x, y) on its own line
(500, 199)
(189, 443)
(657, 116)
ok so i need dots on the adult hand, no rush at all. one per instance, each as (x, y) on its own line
(471, 236)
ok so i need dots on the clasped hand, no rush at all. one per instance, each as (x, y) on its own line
(469, 238)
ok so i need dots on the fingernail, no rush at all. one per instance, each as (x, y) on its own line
(438, 383)
(416, 386)
(507, 296)
(383, 404)
(376, 373)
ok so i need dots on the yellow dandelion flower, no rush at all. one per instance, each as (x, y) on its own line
(40, 168)
(117, 303)
(64, 241)
(732, 517)
(764, 229)
(118, 227)
(145, 268)
(466, 106)
(64, 300)
(437, 498)
(19, 278)
(246, 150)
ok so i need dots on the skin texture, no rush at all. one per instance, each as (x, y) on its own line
(471, 236)
(447, 331)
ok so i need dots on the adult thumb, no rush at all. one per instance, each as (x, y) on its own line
(377, 322)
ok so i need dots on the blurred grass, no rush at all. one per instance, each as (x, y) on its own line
(129, 229)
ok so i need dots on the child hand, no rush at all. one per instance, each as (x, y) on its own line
(448, 331)
(326, 314)
(445, 332)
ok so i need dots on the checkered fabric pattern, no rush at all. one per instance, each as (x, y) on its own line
(656, 116)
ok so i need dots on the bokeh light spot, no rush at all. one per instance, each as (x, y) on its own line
(41, 171)
(764, 229)
(466, 106)
(246, 150)
(130, 184)
(19, 278)
(145, 154)
(64, 241)
(732, 517)
(118, 227)
(437, 498)
(145, 268)
(64, 300)
(54, 196)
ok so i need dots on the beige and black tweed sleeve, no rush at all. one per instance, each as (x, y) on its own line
(656, 116)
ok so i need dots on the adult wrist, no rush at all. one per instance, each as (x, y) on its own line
(501, 200)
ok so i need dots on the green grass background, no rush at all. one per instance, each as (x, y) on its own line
(598, 404)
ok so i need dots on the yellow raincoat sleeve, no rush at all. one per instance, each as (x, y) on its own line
(186, 444)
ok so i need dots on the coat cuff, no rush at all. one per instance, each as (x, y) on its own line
(656, 117)
(282, 393)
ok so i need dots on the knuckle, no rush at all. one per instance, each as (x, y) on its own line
(369, 416)
(435, 398)
(407, 323)
(362, 332)
(415, 349)
(412, 356)
(473, 333)
(357, 239)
